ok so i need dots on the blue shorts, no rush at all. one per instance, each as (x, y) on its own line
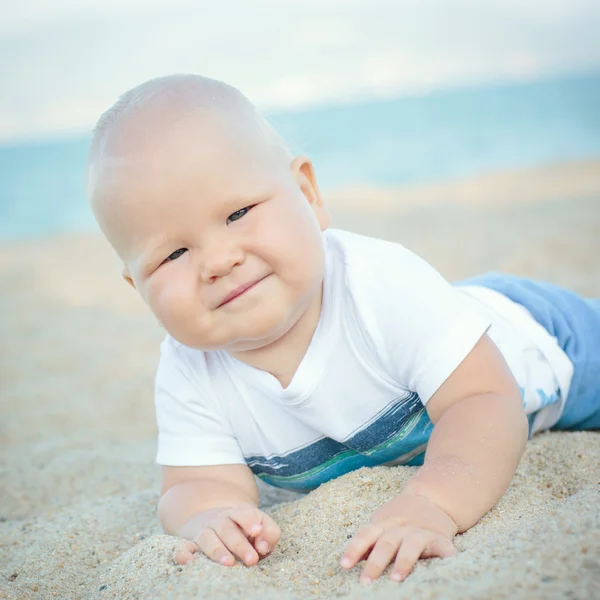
(575, 322)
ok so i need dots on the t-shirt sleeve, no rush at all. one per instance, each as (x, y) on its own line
(192, 428)
(421, 326)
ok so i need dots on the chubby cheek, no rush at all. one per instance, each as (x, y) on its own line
(293, 246)
(299, 265)
(174, 300)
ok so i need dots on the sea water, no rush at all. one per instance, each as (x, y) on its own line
(435, 136)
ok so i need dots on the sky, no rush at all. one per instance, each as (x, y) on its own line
(62, 63)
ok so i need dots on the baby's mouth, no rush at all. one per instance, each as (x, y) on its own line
(238, 291)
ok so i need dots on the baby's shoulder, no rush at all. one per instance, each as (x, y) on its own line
(186, 372)
(177, 356)
(374, 264)
(362, 251)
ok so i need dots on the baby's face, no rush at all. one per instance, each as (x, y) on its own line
(222, 240)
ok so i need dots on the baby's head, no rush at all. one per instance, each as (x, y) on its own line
(201, 198)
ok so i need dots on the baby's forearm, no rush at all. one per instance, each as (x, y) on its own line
(472, 455)
(184, 507)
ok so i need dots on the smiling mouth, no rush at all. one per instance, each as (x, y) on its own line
(242, 289)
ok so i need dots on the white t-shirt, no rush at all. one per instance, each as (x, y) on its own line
(391, 331)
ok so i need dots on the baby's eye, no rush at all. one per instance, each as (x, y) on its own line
(238, 214)
(175, 254)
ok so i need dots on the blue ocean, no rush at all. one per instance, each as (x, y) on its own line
(436, 136)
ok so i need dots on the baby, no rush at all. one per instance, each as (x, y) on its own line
(298, 353)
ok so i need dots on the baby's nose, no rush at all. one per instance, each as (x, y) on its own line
(220, 262)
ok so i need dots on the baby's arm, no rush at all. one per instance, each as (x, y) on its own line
(479, 436)
(215, 507)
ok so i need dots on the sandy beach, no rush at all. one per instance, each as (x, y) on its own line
(78, 483)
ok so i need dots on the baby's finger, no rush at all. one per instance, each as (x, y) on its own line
(236, 542)
(248, 517)
(440, 546)
(381, 556)
(360, 544)
(410, 551)
(268, 537)
(210, 543)
(185, 552)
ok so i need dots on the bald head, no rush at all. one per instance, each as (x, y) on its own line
(164, 100)
(149, 123)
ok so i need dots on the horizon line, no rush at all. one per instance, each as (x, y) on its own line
(357, 99)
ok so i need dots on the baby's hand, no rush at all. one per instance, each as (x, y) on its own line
(400, 532)
(241, 531)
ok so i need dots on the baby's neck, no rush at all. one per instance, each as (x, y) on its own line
(282, 357)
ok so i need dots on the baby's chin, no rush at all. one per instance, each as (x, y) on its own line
(252, 335)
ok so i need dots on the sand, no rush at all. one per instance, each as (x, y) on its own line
(78, 484)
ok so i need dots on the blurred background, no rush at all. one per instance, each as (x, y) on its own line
(378, 92)
(467, 130)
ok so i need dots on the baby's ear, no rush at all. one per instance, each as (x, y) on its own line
(304, 173)
(127, 277)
